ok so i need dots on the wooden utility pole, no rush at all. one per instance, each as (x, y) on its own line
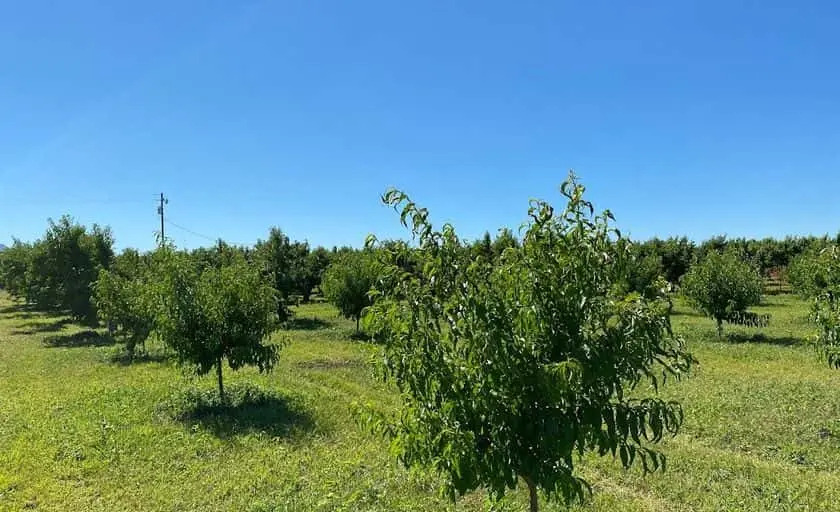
(163, 201)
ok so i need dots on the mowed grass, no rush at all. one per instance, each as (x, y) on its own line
(83, 429)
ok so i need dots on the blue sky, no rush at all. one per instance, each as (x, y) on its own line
(691, 117)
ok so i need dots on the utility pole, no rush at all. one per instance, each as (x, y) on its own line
(163, 201)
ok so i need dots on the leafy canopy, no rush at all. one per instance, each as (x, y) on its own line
(826, 309)
(723, 286)
(808, 273)
(348, 281)
(65, 264)
(14, 264)
(507, 370)
(126, 304)
(218, 314)
(278, 259)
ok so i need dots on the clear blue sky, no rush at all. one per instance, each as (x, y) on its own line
(682, 117)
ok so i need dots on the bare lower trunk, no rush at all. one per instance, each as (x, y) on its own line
(532, 494)
(219, 375)
(720, 328)
(357, 325)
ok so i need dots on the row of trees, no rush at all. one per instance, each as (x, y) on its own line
(57, 271)
(209, 305)
(768, 255)
(673, 257)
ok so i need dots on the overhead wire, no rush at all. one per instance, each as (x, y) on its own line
(190, 231)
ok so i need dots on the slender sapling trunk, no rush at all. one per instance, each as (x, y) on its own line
(532, 495)
(221, 385)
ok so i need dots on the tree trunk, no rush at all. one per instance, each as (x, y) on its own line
(357, 325)
(720, 327)
(532, 494)
(221, 385)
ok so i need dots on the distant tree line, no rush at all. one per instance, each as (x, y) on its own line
(59, 270)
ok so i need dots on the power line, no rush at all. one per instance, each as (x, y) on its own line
(188, 230)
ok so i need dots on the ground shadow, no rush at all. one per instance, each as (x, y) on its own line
(123, 358)
(79, 339)
(16, 308)
(685, 312)
(306, 324)
(27, 311)
(360, 336)
(39, 327)
(784, 341)
(329, 364)
(247, 410)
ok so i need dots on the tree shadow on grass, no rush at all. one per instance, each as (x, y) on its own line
(247, 410)
(17, 308)
(38, 327)
(79, 339)
(685, 312)
(123, 358)
(306, 324)
(329, 364)
(360, 336)
(27, 311)
(761, 338)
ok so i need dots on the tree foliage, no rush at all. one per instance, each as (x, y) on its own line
(826, 309)
(216, 315)
(507, 370)
(15, 262)
(123, 298)
(276, 257)
(723, 286)
(644, 273)
(348, 282)
(808, 274)
(65, 263)
(309, 267)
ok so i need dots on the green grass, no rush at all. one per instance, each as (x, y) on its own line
(82, 429)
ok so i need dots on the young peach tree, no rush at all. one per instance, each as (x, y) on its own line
(216, 315)
(723, 286)
(507, 370)
(348, 281)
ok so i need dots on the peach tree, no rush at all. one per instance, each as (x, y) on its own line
(723, 286)
(347, 283)
(509, 370)
(216, 315)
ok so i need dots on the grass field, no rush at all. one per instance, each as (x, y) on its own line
(82, 429)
